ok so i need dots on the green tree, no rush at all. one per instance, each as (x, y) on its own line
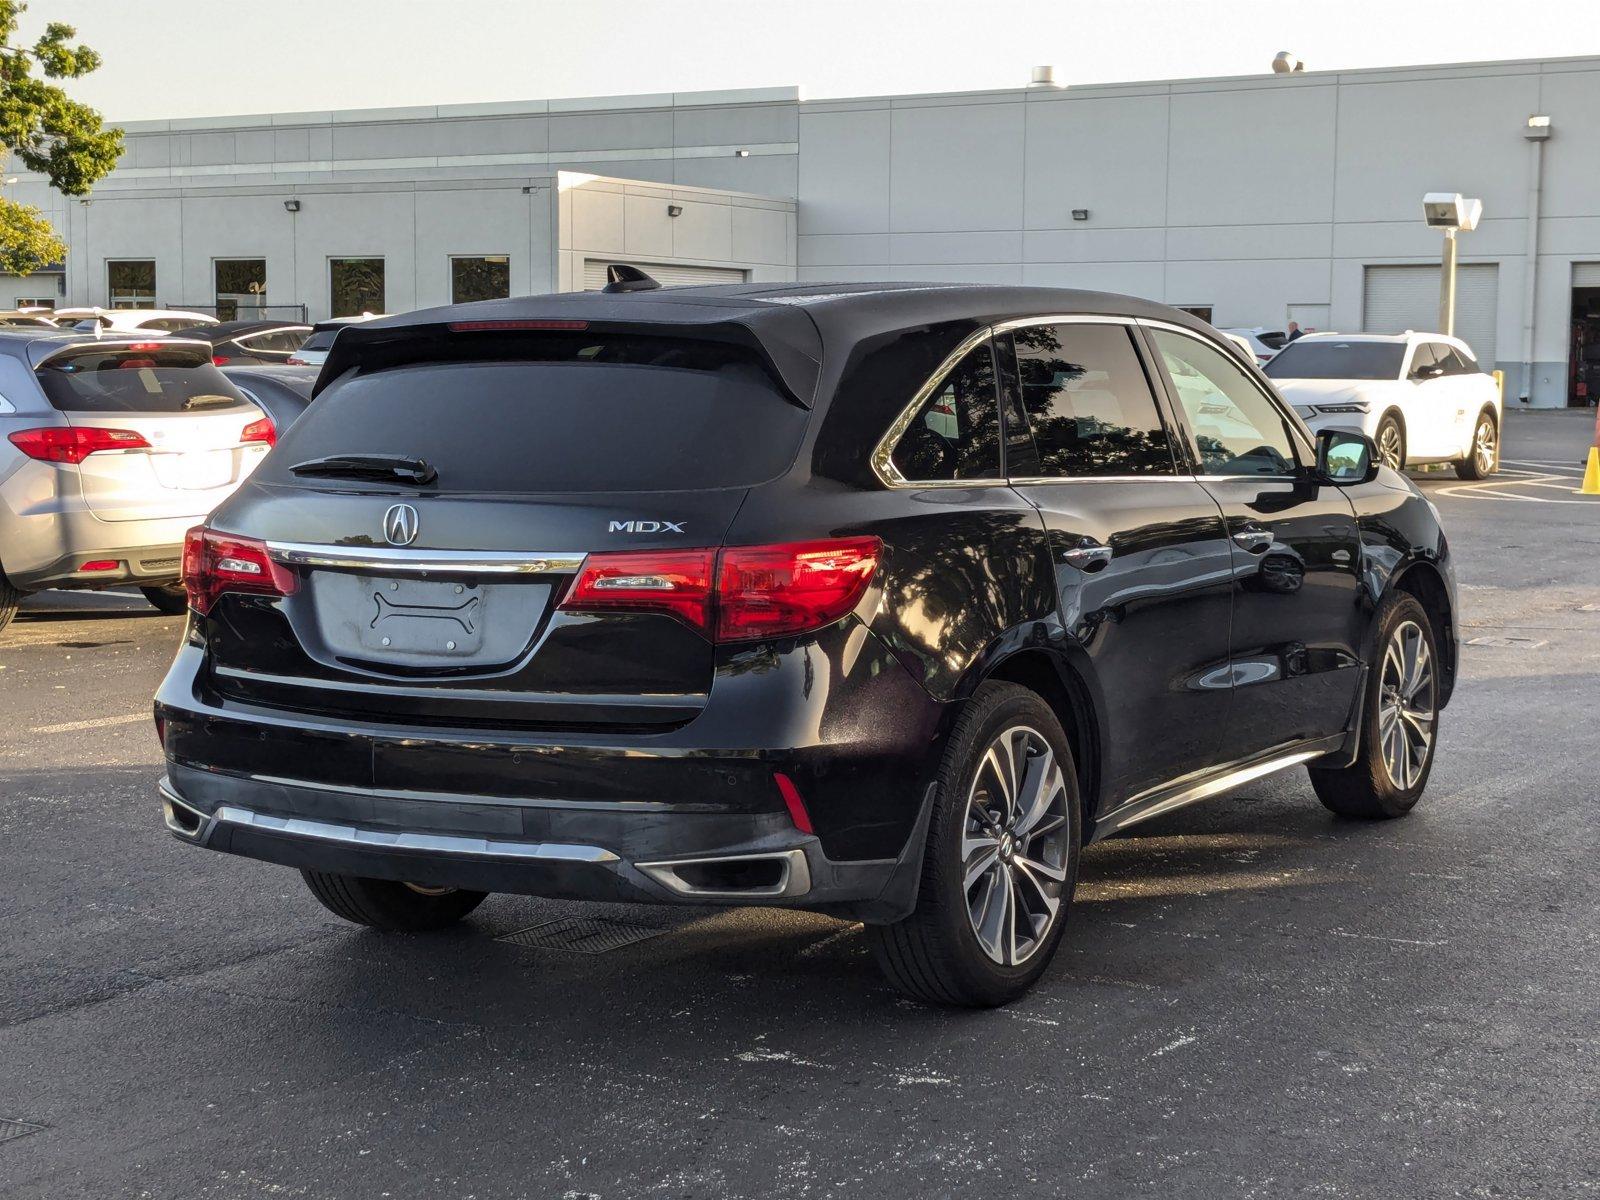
(48, 132)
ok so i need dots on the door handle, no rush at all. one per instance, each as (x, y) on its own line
(1089, 557)
(1253, 540)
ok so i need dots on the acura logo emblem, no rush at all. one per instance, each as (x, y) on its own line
(400, 525)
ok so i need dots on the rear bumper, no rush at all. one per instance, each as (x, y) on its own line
(46, 538)
(146, 566)
(576, 854)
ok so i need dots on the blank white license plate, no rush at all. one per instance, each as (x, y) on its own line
(194, 470)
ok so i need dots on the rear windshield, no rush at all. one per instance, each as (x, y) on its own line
(571, 413)
(321, 340)
(1337, 360)
(136, 380)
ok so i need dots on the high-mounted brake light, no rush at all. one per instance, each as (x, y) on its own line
(737, 594)
(74, 443)
(260, 431)
(215, 563)
(144, 345)
(495, 326)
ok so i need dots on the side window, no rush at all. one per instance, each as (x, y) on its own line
(1458, 362)
(1237, 430)
(1089, 403)
(956, 432)
(1424, 359)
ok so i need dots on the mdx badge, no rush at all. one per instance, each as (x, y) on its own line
(645, 527)
(400, 525)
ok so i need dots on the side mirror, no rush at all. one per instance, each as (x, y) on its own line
(1432, 372)
(1345, 457)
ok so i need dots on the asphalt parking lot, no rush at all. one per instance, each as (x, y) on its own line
(1254, 1000)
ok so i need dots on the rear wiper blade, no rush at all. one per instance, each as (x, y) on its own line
(369, 466)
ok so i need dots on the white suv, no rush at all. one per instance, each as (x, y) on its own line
(1422, 397)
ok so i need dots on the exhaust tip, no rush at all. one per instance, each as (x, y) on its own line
(744, 876)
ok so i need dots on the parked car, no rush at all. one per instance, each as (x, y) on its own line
(26, 319)
(131, 320)
(246, 343)
(1263, 343)
(877, 600)
(280, 392)
(110, 450)
(1422, 397)
(314, 351)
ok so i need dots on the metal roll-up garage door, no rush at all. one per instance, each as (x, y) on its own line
(1401, 298)
(1586, 274)
(666, 274)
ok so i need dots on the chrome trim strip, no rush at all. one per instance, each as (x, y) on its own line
(410, 561)
(1033, 480)
(795, 881)
(1208, 788)
(425, 843)
(1062, 319)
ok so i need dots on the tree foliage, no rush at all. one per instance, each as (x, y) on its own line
(47, 131)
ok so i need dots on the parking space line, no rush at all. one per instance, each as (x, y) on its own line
(98, 722)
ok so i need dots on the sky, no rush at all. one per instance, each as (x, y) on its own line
(230, 56)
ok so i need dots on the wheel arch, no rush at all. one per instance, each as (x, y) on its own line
(1049, 675)
(1423, 581)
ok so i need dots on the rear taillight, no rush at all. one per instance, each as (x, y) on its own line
(260, 431)
(776, 591)
(738, 594)
(293, 361)
(220, 360)
(73, 444)
(214, 563)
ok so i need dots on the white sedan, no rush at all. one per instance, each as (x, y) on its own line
(1422, 397)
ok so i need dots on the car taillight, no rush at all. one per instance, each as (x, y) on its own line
(214, 563)
(220, 360)
(777, 591)
(73, 444)
(677, 582)
(737, 594)
(293, 361)
(260, 431)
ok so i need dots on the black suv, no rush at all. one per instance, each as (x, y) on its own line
(875, 600)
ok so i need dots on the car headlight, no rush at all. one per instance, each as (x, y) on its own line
(1355, 406)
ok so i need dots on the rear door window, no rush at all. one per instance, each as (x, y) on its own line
(955, 434)
(558, 413)
(1089, 403)
(135, 380)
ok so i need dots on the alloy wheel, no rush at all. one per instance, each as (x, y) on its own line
(1014, 845)
(1484, 446)
(1390, 449)
(1406, 705)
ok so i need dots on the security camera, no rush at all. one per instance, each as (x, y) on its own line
(1451, 210)
(1286, 63)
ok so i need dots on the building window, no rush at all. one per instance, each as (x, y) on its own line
(131, 283)
(481, 277)
(241, 288)
(1203, 311)
(36, 302)
(355, 286)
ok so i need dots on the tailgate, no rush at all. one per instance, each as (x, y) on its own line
(189, 466)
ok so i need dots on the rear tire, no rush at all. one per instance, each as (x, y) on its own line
(997, 875)
(1399, 721)
(171, 598)
(1391, 441)
(1483, 456)
(390, 906)
(10, 598)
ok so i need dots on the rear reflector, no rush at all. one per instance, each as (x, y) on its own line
(73, 444)
(215, 563)
(737, 594)
(793, 802)
(495, 326)
(260, 431)
(101, 564)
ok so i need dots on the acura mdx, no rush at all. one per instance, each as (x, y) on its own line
(876, 600)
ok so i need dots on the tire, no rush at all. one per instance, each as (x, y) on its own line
(936, 954)
(1483, 456)
(1374, 787)
(170, 599)
(10, 598)
(1391, 441)
(390, 906)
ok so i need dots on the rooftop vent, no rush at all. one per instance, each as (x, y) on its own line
(1044, 77)
(1287, 63)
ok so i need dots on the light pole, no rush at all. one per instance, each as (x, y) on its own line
(1451, 212)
